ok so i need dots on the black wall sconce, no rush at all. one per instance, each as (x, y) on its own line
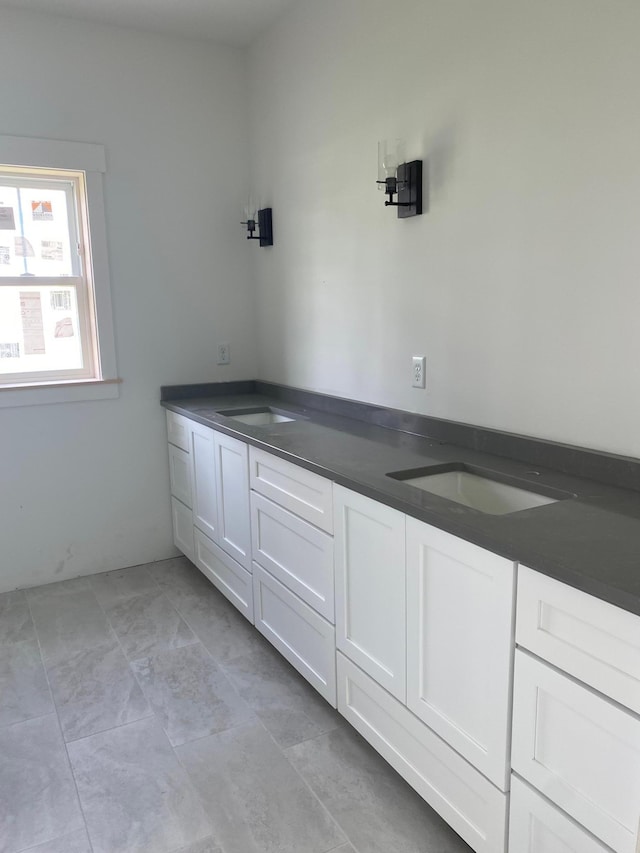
(262, 221)
(399, 178)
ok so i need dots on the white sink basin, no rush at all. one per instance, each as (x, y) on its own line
(257, 417)
(481, 493)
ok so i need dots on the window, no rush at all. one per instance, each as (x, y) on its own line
(55, 310)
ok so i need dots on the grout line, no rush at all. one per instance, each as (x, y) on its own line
(315, 795)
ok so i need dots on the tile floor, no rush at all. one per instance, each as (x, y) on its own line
(140, 713)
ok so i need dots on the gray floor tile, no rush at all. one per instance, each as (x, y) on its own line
(114, 587)
(59, 588)
(15, 619)
(373, 805)
(24, 692)
(94, 689)
(67, 622)
(256, 802)
(135, 795)
(206, 846)
(178, 576)
(288, 706)
(148, 624)
(75, 842)
(189, 694)
(38, 799)
(222, 629)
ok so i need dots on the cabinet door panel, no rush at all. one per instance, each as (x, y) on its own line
(180, 474)
(460, 612)
(469, 803)
(302, 636)
(295, 552)
(225, 574)
(579, 750)
(232, 470)
(535, 826)
(370, 587)
(182, 528)
(205, 499)
(586, 637)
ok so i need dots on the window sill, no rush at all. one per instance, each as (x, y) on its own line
(70, 391)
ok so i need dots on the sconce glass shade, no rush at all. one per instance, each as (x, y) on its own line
(390, 153)
(250, 210)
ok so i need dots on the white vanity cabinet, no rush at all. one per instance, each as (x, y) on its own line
(410, 632)
(293, 586)
(371, 588)
(578, 747)
(209, 475)
(424, 627)
(460, 616)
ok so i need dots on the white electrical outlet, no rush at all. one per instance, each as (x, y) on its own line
(224, 353)
(419, 370)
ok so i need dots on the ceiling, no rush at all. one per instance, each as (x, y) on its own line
(235, 22)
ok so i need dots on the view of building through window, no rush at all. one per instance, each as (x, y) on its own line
(45, 303)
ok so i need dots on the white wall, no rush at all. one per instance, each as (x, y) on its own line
(84, 487)
(520, 285)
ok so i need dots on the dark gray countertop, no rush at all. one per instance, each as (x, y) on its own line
(590, 541)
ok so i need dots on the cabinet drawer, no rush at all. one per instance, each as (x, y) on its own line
(178, 430)
(182, 519)
(469, 803)
(225, 574)
(295, 552)
(303, 637)
(586, 637)
(579, 750)
(296, 489)
(535, 826)
(180, 474)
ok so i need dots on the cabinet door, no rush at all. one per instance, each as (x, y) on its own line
(460, 614)
(370, 588)
(580, 750)
(232, 479)
(535, 826)
(205, 500)
(182, 528)
(180, 474)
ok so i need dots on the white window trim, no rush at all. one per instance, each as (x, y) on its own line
(90, 159)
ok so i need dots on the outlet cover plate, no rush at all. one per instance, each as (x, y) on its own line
(224, 354)
(419, 367)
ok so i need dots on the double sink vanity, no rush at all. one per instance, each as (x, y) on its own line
(474, 616)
